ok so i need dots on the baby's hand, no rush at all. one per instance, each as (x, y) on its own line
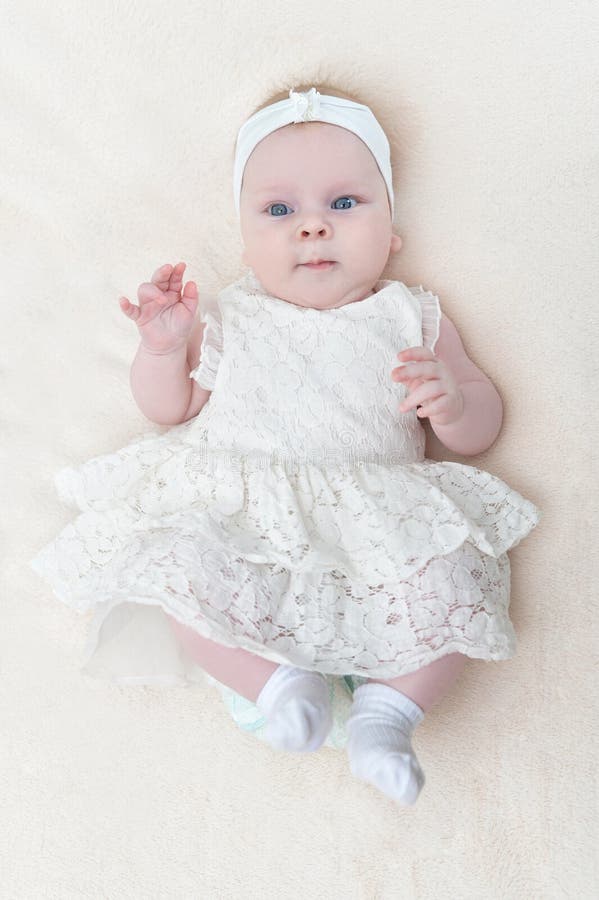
(429, 379)
(164, 316)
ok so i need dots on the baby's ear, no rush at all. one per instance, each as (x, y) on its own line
(396, 243)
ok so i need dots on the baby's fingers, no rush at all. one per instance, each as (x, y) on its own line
(168, 278)
(130, 309)
(410, 370)
(189, 297)
(427, 391)
(176, 278)
(161, 276)
(150, 292)
(416, 354)
(191, 289)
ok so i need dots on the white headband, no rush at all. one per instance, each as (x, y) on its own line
(307, 107)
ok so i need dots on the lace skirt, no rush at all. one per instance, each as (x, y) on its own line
(324, 621)
(369, 571)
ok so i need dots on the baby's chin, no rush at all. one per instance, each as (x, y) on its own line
(316, 291)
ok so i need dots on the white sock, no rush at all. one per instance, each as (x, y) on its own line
(379, 747)
(297, 708)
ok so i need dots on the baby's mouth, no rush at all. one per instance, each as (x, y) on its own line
(321, 264)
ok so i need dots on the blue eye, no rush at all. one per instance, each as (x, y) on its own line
(278, 206)
(283, 206)
(344, 199)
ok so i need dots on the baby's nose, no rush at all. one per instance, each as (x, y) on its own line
(311, 229)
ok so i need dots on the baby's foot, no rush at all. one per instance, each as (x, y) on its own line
(297, 708)
(379, 745)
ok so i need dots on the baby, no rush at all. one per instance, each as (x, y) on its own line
(377, 561)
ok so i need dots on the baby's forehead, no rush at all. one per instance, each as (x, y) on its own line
(299, 147)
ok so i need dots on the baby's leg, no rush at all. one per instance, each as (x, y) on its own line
(240, 670)
(294, 702)
(430, 683)
(383, 716)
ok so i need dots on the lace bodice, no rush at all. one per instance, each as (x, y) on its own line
(293, 382)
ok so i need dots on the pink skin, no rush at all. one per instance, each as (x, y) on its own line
(165, 315)
(311, 167)
(429, 379)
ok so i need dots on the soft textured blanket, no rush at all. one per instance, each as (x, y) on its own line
(118, 128)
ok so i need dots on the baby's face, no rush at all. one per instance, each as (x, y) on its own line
(315, 192)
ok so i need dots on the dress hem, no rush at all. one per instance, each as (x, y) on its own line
(416, 662)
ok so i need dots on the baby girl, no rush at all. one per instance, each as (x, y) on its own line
(303, 531)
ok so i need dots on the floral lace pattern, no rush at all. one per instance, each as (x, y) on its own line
(296, 516)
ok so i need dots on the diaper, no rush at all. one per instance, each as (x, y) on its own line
(248, 717)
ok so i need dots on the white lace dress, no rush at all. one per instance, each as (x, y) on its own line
(296, 516)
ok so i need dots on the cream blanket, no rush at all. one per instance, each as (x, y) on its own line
(118, 128)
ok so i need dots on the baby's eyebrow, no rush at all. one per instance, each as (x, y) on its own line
(269, 190)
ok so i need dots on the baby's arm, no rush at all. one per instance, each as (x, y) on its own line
(480, 423)
(161, 385)
(171, 336)
(453, 390)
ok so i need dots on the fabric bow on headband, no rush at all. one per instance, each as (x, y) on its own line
(310, 106)
(306, 106)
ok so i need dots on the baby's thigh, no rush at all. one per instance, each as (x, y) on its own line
(205, 651)
(244, 672)
(191, 639)
(428, 684)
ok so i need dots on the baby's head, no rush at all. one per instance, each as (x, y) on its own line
(313, 190)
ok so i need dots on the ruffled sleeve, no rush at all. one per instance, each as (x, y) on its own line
(212, 347)
(431, 316)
